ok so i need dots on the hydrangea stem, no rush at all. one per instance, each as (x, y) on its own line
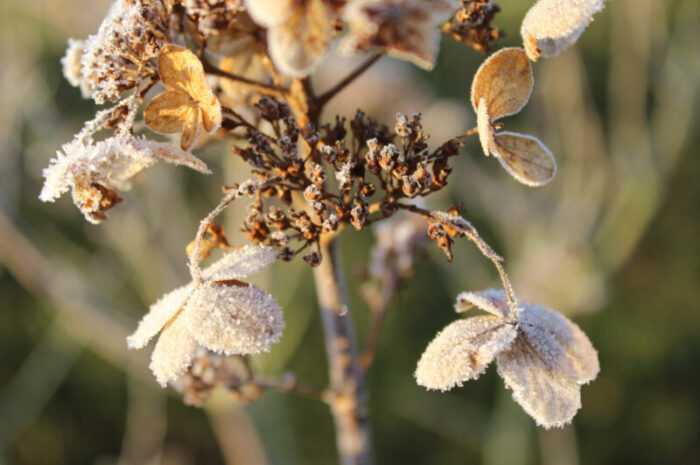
(349, 400)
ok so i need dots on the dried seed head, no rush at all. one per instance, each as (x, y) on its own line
(313, 258)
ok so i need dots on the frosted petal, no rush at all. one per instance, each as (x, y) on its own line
(493, 301)
(525, 158)
(173, 352)
(158, 315)
(240, 263)
(462, 351)
(234, 319)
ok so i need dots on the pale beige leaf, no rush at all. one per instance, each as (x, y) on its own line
(493, 301)
(234, 319)
(298, 44)
(158, 315)
(504, 81)
(462, 351)
(174, 63)
(173, 352)
(169, 112)
(240, 263)
(526, 158)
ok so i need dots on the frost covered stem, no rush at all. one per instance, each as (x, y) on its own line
(349, 401)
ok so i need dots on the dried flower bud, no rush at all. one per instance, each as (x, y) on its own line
(318, 174)
(312, 192)
(359, 214)
(331, 224)
(328, 153)
(313, 258)
(410, 186)
(402, 127)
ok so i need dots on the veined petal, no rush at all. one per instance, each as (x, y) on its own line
(158, 315)
(504, 80)
(173, 352)
(462, 351)
(493, 301)
(174, 63)
(526, 158)
(234, 319)
(299, 43)
(205, 98)
(190, 132)
(240, 263)
(169, 112)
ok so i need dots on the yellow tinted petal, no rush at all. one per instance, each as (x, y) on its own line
(174, 65)
(168, 112)
(504, 81)
(483, 124)
(526, 158)
(203, 95)
(190, 132)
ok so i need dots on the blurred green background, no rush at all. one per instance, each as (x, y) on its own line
(614, 242)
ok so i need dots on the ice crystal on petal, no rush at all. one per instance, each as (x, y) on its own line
(219, 313)
(552, 26)
(158, 315)
(406, 29)
(241, 263)
(234, 319)
(545, 360)
(462, 351)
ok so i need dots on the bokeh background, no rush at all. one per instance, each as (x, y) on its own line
(614, 242)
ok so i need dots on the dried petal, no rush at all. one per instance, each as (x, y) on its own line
(552, 26)
(158, 315)
(526, 158)
(209, 104)
(269, 12)
(493, 301)
(504, 81)
(240, 263)
(174, 351)
(234, 319)
(190, 133)
(462, 351)
(169, 112)
(174, 64)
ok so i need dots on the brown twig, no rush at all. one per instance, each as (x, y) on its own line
(357, 72)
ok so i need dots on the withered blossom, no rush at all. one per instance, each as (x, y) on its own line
(298, 32)
(217, 312)
(542, 356)
(501, 87)
(188, 103)
(406, 29)
(552, 26)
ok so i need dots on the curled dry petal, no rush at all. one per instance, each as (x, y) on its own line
(158, 315)
(240, 263)
(462, 351)
(234, 318)
(493, 301)
(552, 26)
(173, 352)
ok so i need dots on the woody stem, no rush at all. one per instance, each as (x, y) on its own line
(349, 400)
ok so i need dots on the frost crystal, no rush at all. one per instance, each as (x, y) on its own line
(541, 355)
(552, 26)
(94, 170)
(219, 313)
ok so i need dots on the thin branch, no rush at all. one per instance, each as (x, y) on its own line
(270, 89)
(335, 90)
(290, 384)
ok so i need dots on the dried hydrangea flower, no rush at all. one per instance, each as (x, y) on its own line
(406, 29)
(298, 33)
(541, 355)
(95, 170)
(219, 313)
(552, 26)
(501, 87)
(188, 102)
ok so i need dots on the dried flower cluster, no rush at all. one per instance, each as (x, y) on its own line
(238, 70)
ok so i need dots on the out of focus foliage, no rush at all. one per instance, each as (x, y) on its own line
(614, 242)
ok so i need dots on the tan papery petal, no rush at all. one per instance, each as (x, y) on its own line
(190, 132)
(174, 63)
(169, 112)
(526, 158)
(209, 104)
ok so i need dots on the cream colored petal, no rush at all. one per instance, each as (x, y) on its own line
(483, 124)
(173, 352)
(493, 301)
(552, 26)
(190, 133)
(298, 44)
(526, 158)
(158, 315)
(462, 351)
(234, 319)
(270, 12)
(240, 263)
(169, 112)
(174, 63)
(551, 399)
(504, 81)
(207, 101)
